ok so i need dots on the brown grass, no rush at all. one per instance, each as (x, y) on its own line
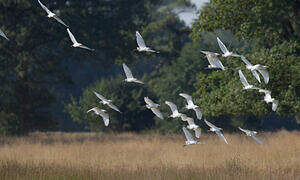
(151, 156)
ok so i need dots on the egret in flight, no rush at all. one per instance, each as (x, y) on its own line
(51, 14)
(189, 138)
(192, 125)
(252, 134)
(269, 99)
(77, 44)
(225, 51)
(191, 105)
(141, 44)
(260, 68)
(102, 113)
(173, 107)
(129, 76)
(217, 130)
(214, 62)
(107, 102)
(154, 107)
(245, 82)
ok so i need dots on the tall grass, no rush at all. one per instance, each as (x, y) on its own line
(150, 156)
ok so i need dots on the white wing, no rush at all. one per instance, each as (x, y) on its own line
(95, 109)
(85, 47)
(244, 130)
(114, 107)
(60, 21)
(127, 71)
(245, 61)
(149, 101)
(44, 7)
(138, 81)
(210, 124)
(3, 35)
(197, 132)
(221, 136)
(198, 113)
(222, 46)
(255, 74)
(275, 105)
(190, 121)
(157, 113)
(102, 98)
(218, 63)
(105, 117)
(208, 52)
(140, 40)
(258, 140)
(187, 134)
(172, 106)
(264, 91)
(72, 37)
(187, 97)
(243, 79)
(265, 74)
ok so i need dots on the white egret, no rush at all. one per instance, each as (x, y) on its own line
(75, 43)
(129, 76)
(107, 102)
(189, 138)
(260, 68)
(245, 82)
(225, 51)
(173, 107)
(251, 134)
(269, 99)
(141, 43)
(214, 62)
(217, 130)
(192, 125)
(191, 105)
(3, 35)
(154, 107)
(102, 113)
(51, 14)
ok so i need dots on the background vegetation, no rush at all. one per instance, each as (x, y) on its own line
(41, 76)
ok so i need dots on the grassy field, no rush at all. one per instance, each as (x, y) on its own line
(149, 156)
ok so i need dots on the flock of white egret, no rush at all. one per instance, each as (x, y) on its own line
(214, 62)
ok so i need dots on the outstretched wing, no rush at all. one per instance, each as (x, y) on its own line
(255, 74)
(105, 117)
(222, 46)
(197, 132)
(190, 121)
(85, 47)
(265, 75)
(187, 97)
(114, 107)
(245, 61)
(244, 130)
(72, 36)
(221, 136)
(172, 106)
(258, 140)
(210, 124)
(157, 113)
(243, 79)
(198, 113)
(60, 21)
(3, 35)
(218, 63)
(187, 134)
(102, 98)
(148, 101)
(44, 7)
(140, 41)
(127, 71)
(95, 109)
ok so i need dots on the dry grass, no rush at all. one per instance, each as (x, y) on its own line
(152, 156)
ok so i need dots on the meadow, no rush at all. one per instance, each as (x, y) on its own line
(149, 156)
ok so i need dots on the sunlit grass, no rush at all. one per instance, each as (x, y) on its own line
(150, 156)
